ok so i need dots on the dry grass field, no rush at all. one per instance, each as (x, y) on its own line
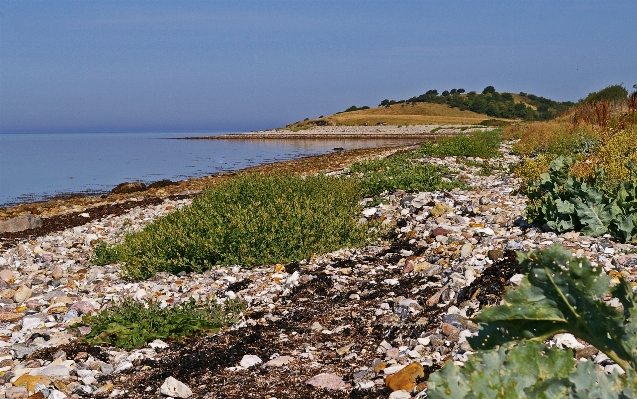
(400, 114)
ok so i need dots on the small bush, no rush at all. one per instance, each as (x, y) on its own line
(104, 254)
(250, 221)
(130, 324)
(482, 144)
(404, 173)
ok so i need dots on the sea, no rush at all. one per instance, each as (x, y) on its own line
(40, 166)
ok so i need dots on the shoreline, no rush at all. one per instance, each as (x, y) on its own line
(419, 132)
(61, 213)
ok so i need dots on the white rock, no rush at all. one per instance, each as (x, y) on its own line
(140, 294)
(250, 360)
(3, 261)
(279, 361)
(85, 215)
(393, 369)
(29, 323)
(368, 212)
(613, 367)
(89, 239)
(55, 394)
(123, 366)
(402, 394)
(516, 279)
(365, 385)
(391, 281)
(486, 231)
(424, 341)
(567, 340)
(158, 344)
(175, 388)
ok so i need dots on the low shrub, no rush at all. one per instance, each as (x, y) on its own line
(552, 138)
(482, 144)
(559, 294)
(249, 220)
(404, 173)
(130, 324)
(104, 254)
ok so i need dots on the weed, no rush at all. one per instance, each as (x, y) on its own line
(250, 220)
(482, 144)
(130, 324)
(104, 254)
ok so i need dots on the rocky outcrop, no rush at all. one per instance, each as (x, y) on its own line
(20, 223)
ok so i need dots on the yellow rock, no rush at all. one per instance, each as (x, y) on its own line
(441, 208)
(405, 378)
(29, 381)
(278, 268)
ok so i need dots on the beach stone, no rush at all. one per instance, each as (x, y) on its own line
(402, 394)
(16, 393)
(465, 250)
(405, 379)
(175, 388)
(327, 381)
(128, 187)
(279, 361)
(250, 360)
(29, 381)
(55, 394)
(20, 223)
(82, 307)
(7, 275)
(440, 208)
(450, 331)
(58, 272)
(495, 254)
(22, 294)
(439, 231)
(586, 352)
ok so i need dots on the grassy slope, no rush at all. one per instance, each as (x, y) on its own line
(402, 114)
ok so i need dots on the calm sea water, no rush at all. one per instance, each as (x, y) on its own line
(38, 166)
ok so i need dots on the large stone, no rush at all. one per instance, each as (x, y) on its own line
(17, 393)
(29, 381)
(406, 378)
(327, 381)
(279, 361)
(175, 388)
(20, 223)
(128, 187)
(250, 360)
(22, 294)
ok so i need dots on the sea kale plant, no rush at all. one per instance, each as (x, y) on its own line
(566, 202)
(559, 294)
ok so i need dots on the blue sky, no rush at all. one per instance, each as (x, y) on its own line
(247, 65)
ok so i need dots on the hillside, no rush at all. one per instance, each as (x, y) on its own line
(399, 114)
(449, 107)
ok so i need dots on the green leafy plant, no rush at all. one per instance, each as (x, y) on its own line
(565, 202)
(559, 294)
(404, 173)
(104, 254)
(483, 144)
(130, 324)
(250, 221)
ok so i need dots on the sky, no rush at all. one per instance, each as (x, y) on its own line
(84, 66)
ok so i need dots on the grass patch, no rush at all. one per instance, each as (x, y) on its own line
(250, 221)
(482, 144)
(129, 324)
(404, 173)
(104, 254)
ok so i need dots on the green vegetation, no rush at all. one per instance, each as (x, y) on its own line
(613, 93)
(559, 294)
(250, 221)
(499, 105)
(130, 324)
(482, 144)
(355, 108)
(565, 202)
(402, 172)
(256, 220)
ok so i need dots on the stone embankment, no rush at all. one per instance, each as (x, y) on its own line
(372, 322)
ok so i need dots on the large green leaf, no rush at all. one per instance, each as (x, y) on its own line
(594, 214)
(561, 294)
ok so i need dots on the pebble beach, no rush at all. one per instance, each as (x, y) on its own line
(368, 322)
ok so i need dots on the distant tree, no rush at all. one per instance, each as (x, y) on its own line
(460, 91)
(488, 89)
(472, 93)
(352, 108)
(445, 93)
(507, 96)
(384, 103)
(453, 91)
(610, 93)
